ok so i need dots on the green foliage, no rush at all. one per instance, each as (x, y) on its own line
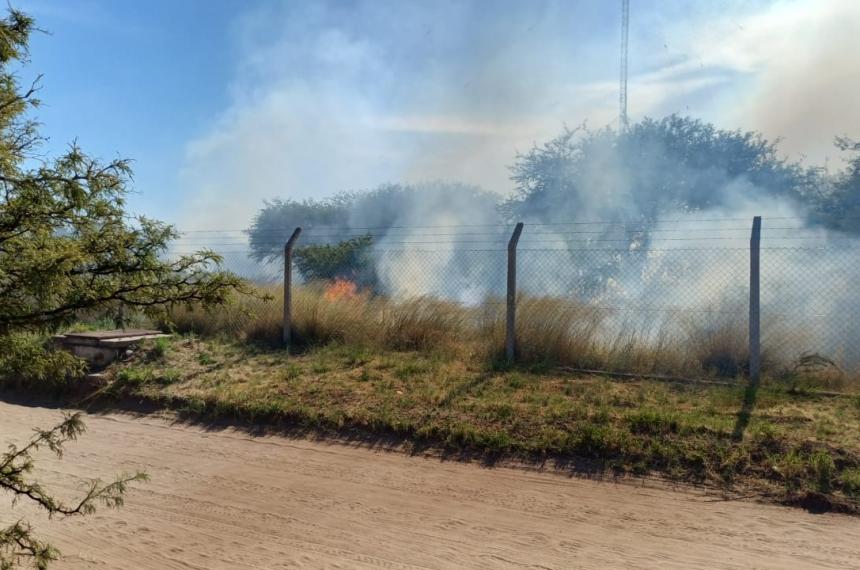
(851, 482)
(791, 466)
(67, 245)
(656, 168)
(339, 218)
(160, 347)
(276, 220)
(652, 421)
(823, 469)
(676, 163)
(18, 546)
(26, 361)
(136, 377)
(839, 207)
(347, 260)
(205, 359)
(291, 371)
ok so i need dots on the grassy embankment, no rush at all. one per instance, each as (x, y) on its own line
(425, 373)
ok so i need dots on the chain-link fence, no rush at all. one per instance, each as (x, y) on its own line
(811, 305)
(669, 298)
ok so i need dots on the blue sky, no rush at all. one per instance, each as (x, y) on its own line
(223, 104)
(133, 79)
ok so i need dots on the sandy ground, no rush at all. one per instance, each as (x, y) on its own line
(224, 499)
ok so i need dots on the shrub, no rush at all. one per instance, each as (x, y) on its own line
(26, 360)
(160, 347)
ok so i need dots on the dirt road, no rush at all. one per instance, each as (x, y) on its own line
(223, 499)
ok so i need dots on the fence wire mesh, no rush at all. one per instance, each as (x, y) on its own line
(810, 310)
(674, 299)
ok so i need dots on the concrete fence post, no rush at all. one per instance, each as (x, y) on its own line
(288, 284)
(755, 301)
(510, 321)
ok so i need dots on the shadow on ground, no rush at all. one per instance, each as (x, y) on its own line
(285, 426)
(746, 411)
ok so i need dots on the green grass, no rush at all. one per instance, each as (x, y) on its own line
(160, 347)
(851, 482)
(684, 432)
(140, 376)
(205, 359)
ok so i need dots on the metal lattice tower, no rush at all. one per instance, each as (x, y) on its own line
(622, 95)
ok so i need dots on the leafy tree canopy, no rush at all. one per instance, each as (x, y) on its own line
(66, 242)
(674, 164)
(67, 246)
(348, 259)
(387, 212)
(839, 205)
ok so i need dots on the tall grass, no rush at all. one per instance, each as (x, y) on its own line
(421, 323)
(550, 331)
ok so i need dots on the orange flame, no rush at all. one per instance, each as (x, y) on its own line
(341, 289)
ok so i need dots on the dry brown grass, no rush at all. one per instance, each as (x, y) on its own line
(550, 331)
(560, 331)
(717, 342)
(421, 323)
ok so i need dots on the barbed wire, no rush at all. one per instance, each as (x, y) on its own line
(690, 283)
(536, 224)
(425, 246)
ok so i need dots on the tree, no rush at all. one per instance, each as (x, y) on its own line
(388, 213)
(839, 207)
(274, 223)
(632, 179)
(348, 259)
(66, 242)
(67, 246)
(18, 545)
(675, 164)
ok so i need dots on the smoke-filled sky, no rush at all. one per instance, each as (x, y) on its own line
(223, 104)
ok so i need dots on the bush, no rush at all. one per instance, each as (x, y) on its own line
(27, 360)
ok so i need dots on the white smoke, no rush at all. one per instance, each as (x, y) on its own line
(329, 99)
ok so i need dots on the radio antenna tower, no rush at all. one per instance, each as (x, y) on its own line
(622, 94)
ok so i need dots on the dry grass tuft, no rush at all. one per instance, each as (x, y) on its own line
(718, 343)
(560, 331)
(421, 323)
(550, 331)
